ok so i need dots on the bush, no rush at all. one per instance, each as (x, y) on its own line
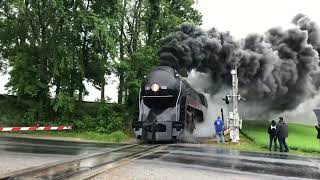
(64, 105)
(29, 117)
(85, 123)
(99, 117)
(108, 118)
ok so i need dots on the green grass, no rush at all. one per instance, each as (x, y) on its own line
(246, 144)
(115, 137)
(301, 140)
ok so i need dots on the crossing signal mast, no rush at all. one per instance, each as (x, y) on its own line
(234, 123)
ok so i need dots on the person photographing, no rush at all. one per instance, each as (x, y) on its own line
(272, 135)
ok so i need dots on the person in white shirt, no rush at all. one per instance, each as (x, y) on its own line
(272, 135)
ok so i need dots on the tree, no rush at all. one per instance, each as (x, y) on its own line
(57, 44)
(143, 25)
(24, 43)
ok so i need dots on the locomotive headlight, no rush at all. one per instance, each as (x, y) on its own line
(155, 87)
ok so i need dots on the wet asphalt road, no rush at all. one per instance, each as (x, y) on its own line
(20, 153)
(183, 161)
(174, 161)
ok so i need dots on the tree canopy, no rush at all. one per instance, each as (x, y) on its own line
(53, 46)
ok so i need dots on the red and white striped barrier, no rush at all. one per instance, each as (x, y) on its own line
(35, 128)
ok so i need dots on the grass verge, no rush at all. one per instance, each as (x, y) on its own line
(301, 140)
(246, 144)
(115, 137)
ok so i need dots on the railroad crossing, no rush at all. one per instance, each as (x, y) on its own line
(57, 159)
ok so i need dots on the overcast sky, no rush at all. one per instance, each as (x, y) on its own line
(242, 17)
(239, 17)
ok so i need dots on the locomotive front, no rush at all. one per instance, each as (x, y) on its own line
(159, 106)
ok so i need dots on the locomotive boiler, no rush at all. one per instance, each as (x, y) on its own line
(168, 105)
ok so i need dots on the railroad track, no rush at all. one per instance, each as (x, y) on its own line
(85, 167)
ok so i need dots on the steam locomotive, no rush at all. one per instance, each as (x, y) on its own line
(168, 105)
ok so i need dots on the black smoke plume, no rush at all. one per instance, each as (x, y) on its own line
(278, 70)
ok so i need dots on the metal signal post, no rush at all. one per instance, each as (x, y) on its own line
(234, 123)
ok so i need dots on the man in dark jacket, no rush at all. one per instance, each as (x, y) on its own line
(218, 124)
(318, 129)
(272, 135)
(282, 134)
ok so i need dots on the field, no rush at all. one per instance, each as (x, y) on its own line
(302, 138)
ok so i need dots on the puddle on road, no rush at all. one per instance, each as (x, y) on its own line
(264, 163)
(53, 147)
(69, 169)
(235, 152)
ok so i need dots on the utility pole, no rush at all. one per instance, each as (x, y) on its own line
(234, 123)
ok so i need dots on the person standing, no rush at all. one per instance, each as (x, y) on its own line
(272, 135)
(318, 129)
(218, 124)
(282, 134)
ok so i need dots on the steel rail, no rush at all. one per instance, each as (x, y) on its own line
(67, 173)
(116, 164)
